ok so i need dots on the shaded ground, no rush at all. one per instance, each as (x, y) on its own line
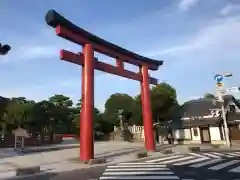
(83, 174)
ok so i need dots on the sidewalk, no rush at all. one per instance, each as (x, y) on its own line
(59, 159)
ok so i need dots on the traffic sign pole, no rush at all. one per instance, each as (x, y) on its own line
(221, 91)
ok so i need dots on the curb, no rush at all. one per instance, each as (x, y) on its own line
(20, 172)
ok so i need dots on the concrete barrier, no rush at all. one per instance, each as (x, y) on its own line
(194, 149)
(89, 162)
(27, 170)
(141, 155)
(168, 151)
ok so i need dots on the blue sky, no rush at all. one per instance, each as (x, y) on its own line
(195, 38)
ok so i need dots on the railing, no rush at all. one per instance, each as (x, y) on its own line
(134, 130)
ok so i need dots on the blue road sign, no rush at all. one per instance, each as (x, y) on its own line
(218, 77)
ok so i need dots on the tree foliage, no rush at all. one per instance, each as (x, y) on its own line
(58, 114)
(209, 96)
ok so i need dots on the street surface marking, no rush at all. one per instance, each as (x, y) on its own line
(191, 161)
(223, 165)
(206, 163)
(236, 170)
(176, 160)
(139, 166)
(166, 158)
(211, 155)
(137, 171)
(140, 177)
(198, 155)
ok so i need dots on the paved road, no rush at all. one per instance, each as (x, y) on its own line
(199, 166)
(191, 166)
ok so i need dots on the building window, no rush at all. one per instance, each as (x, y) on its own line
(195, 132)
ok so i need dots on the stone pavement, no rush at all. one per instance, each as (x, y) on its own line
(57, 161)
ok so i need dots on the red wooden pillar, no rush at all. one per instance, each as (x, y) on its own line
(147, 112)
(86, 146)
(82, 110)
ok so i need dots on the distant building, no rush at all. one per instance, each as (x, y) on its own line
(201, 121)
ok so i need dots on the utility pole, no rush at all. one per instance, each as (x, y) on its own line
(220, 92)
(226, 130)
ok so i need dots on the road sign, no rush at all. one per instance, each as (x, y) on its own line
(218, 77)
(219, 84)
(233, 89)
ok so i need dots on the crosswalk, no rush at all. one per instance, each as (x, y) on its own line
(230, 161)
(134, 171)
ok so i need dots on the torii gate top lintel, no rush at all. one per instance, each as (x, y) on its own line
(70, 31)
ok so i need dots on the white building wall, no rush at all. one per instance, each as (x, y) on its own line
(182, 134)
(215, 133)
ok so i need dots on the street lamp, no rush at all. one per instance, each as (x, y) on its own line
(4, 49)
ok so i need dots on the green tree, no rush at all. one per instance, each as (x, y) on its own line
(61, 100)
(163, 98)
(3, 104)
(209, 96)
(17, 113)
(115, 102)
(62, 115)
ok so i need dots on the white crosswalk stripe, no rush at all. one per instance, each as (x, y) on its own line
(211, 160)
(206, 163)
(132, 171)
(223, 165)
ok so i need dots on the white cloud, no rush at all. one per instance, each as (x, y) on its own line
(185, 5)
(218, 35)
(229, 8)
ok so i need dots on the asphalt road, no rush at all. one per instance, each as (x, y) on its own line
(192, 166)
(82, 174)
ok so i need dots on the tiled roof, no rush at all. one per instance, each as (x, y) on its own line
(202, 107)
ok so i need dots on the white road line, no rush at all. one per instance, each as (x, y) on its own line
(223, 165)
(233, 154)
(191, 161)
(137, 169)
(222, 155)
(198, 155)
(236, 152)
(138, 166)
(235, 170)
(211, 155)
(138, 173)
(161, 159)
(137, 163)
(206, 163)
(139, 177)
(177, 160)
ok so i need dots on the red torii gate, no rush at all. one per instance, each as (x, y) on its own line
(91, 43)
